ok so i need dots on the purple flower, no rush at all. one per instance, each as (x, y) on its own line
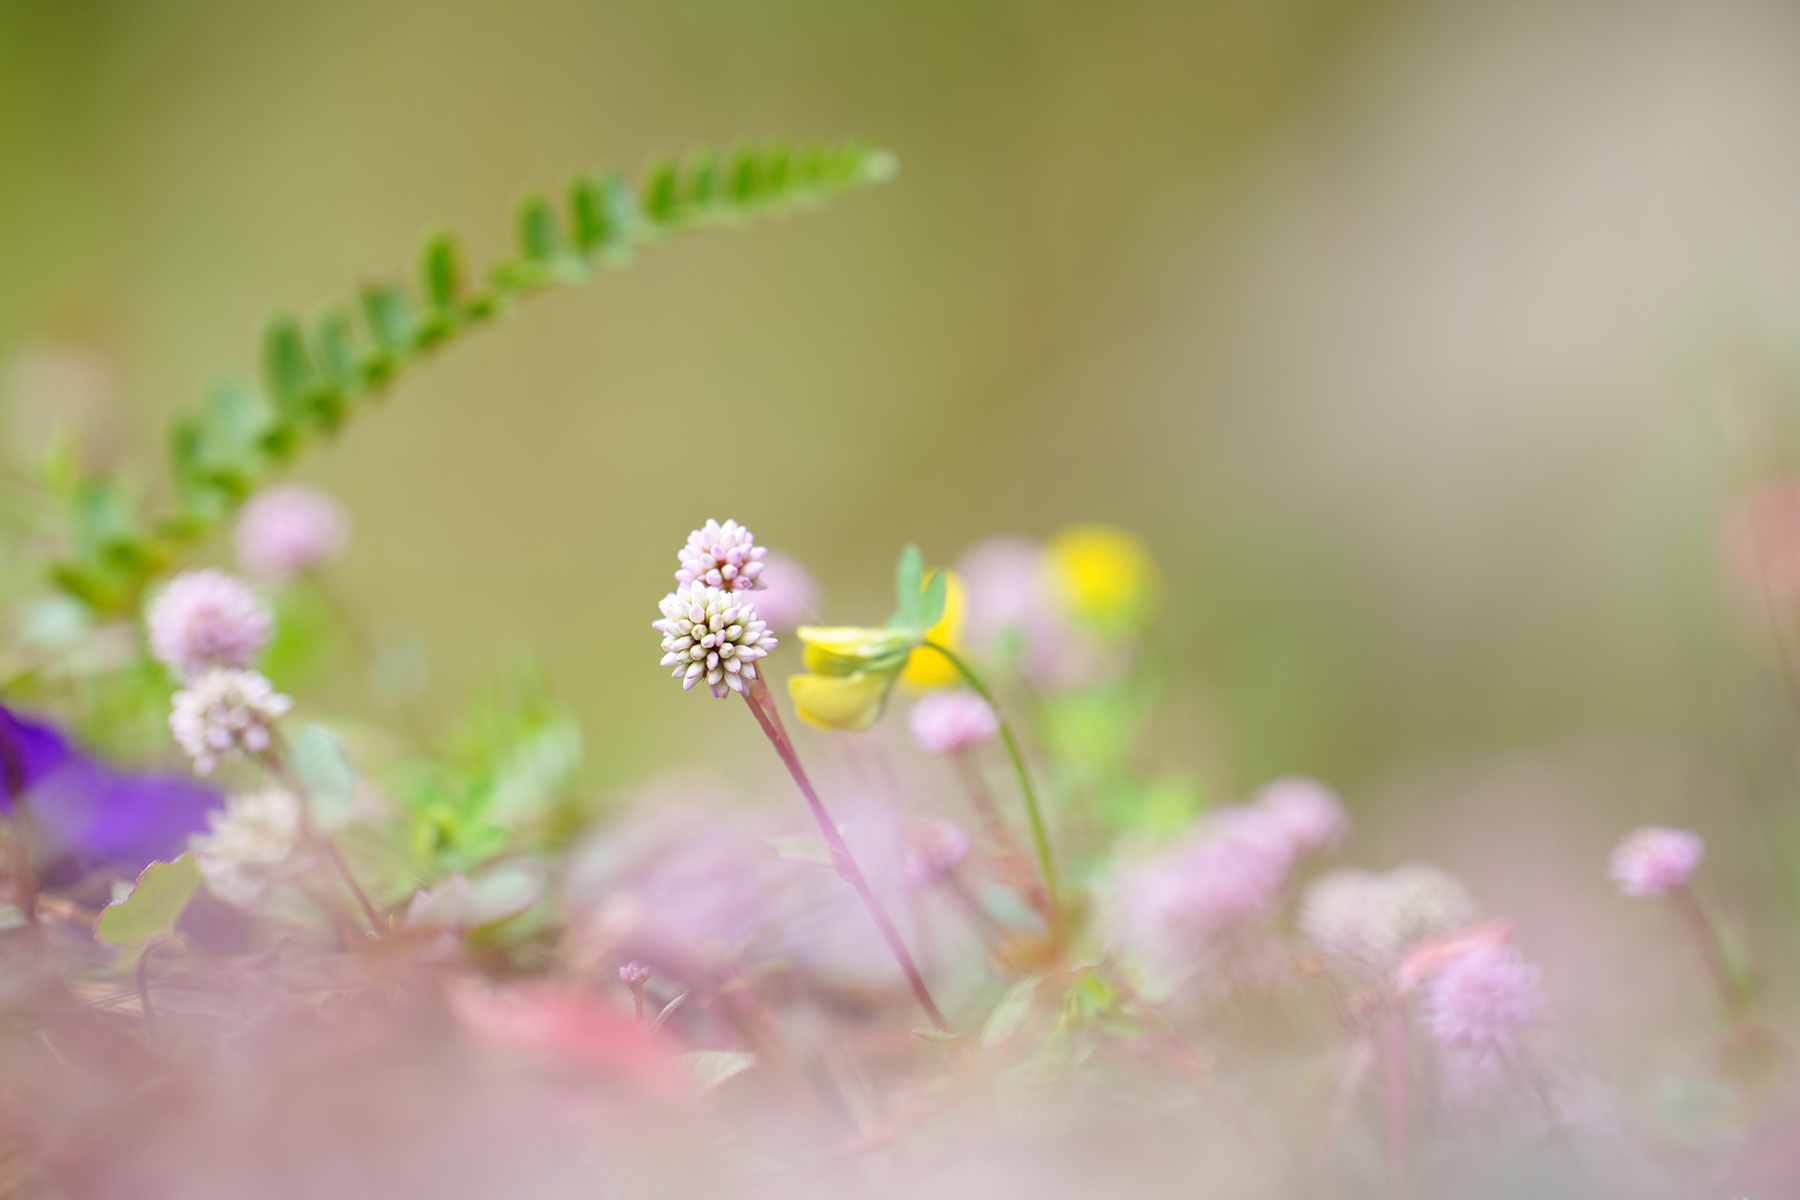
(946, 722)
(288, 529)
(1484, 999)
(85, 811)
(206, 619)
(1654, 861)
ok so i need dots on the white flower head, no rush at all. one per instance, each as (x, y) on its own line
(207, 619)
(722, 556)
(713, 635)
(223, 714)
(250, 845)
(288, 529)
(1362, 920)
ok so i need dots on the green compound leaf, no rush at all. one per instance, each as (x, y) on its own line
(153, 906)
(316, 372)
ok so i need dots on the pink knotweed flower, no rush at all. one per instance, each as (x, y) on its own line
(946, 722)
(722, 556)
(207, 619)
(787, 595)
(288, 529)
(1654, 861)
(1484, 999)
(225, 713)
(1364, 921)
(712, 635)
(1304, 811)
(1229, 871)
(933, 849)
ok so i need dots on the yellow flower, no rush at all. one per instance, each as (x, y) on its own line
(1104, 576)
(840, 701)
(850, 672)
(926, 669)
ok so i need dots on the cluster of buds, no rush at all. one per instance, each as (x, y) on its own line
(721, 556)
(712, 635)
(223, 714)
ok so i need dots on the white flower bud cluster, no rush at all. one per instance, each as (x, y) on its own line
(713, 635)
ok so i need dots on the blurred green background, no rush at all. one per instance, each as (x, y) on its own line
(1413, 337)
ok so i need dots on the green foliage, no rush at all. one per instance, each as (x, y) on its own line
(506, 781)
(154, 905)
(919, 599)
(316, 374)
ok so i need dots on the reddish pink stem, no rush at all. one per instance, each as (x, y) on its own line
(756, 694)
(1394, 1037)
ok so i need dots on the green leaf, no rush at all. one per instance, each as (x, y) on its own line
(337, 352)
(441, 269)
(153, 906)
(705, 186)
(392, 324)
(744, 179)
(1010, 1014)
(588, 224)
(909, 577)
(288, 370)
(931, 606)
(662, 194)
(539, 238)
(710, 1068)
(325, 772)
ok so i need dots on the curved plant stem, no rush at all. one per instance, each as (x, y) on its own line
(278, 765)
(756, 695)
(1038, 834)
(1712, 949)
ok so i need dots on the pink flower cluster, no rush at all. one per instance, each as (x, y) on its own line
(722, 556)
(1012, 609)
(206, 619)
(1483, 999)
(932, 849)
(287, 530)
(948, 722)
(1654, 861)
(1234, 865)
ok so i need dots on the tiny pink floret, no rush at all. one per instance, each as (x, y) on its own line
(948, 722)
(1484, 999)
(1654, 861)
(721, 556)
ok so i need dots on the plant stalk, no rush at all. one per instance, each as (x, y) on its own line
(756, 695)
(1039, 835)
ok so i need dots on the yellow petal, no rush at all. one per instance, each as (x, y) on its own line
(1104, 575)
(926, 669)
(839, 701)
(851, 649)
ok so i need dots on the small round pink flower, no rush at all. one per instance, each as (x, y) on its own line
(712, 635)
(1653, 861)
(287, 530)
(1484, 999)
(722, 556)
(948, 722)
(223, 714)
(787, 596)
(1306, 812)
(206, 619)
(931, 851)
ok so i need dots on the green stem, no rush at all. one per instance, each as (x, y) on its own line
(1032, 811)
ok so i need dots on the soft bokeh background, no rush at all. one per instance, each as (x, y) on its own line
(1425, 343)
